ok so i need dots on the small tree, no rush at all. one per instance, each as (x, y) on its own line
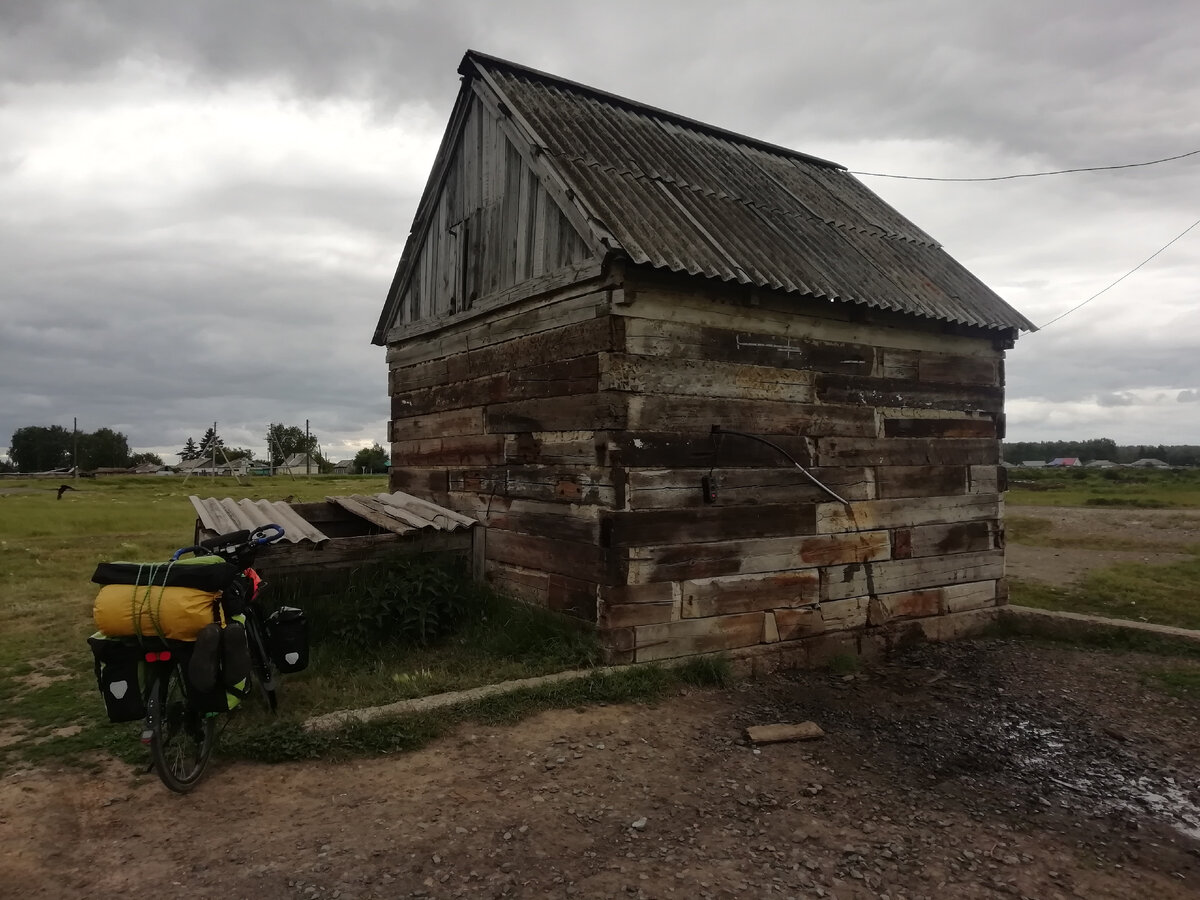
(371, 459)
(190, 451)
(141, 459)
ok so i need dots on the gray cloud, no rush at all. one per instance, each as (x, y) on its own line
(1188, 396)
(1118, 399)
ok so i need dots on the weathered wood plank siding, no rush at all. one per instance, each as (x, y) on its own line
(576, 421)
(494, 227)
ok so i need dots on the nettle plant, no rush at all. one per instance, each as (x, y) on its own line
(408, 600)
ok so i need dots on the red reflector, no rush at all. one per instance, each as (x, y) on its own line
(151, 657)
(165, 656)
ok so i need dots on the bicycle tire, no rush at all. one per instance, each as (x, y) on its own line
(181, 739)
(262, 668)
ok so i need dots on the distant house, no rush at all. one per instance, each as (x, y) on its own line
(343, 467)
(300, 464)
(206, 466)
(1101, 464)
(1149, 463)
(1065, 461)
(1033, 464)
(150, 469)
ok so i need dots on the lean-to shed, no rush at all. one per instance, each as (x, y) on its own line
(597, 294)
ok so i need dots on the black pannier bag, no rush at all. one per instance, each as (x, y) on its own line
(287, 639)
(117, 665)
(210, 697)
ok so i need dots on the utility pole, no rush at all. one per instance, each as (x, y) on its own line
(75, 447)
(307, 451)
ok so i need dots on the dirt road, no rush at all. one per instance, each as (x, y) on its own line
(1154, 536)
(971, 770)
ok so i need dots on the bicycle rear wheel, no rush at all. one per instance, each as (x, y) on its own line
(181, 739)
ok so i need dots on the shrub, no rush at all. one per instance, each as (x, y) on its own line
(409, 600)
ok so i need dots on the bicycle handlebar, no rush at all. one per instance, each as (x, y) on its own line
(235, 544)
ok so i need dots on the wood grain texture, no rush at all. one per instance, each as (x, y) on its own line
(711, 559)
(691, 636)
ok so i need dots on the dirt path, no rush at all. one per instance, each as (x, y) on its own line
(971, 770)
(1162, 534)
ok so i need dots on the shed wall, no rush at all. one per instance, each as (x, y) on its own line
(578, 426)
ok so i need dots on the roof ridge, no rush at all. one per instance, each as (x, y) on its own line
(479, 59)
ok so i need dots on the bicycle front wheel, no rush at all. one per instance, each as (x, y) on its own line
(181, 739)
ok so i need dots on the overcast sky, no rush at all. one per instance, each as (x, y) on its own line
(202, 203)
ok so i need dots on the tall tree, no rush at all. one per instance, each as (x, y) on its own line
(284, 440)
(371, 459)
(190, 450)
(140, 459)
(103, 448)
(38, 448)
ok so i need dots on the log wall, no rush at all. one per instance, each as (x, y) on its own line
(577, 425)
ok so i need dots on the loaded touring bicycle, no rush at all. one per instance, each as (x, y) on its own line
(183, 641)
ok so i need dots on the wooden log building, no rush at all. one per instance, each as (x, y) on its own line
(596, 294)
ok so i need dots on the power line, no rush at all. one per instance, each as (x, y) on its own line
(1151, 162)
(1123, 277)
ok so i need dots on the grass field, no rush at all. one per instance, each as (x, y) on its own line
(49, 707)
(1166, 594)
(1122, 488)
(48, 550)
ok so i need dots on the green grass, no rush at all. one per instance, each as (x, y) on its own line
(1035, 531)
(1179, 682)
(1163, 594)
(278, 741)
(1115, 639)
(1121, 488)
(50, 709)
(501, 640)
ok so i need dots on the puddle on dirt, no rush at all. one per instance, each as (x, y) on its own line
(976, 715)
(1106, 786)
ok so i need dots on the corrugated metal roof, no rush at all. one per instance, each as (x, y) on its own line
(691, 198)
(224, 516)
(402, 513)
(399, 513)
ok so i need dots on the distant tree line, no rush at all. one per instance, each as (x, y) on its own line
(40, 448)
(1101, 448)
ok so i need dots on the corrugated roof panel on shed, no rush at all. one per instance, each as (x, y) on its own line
(399, 513)
(692, 198)
(224, 516)
(403, 513)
